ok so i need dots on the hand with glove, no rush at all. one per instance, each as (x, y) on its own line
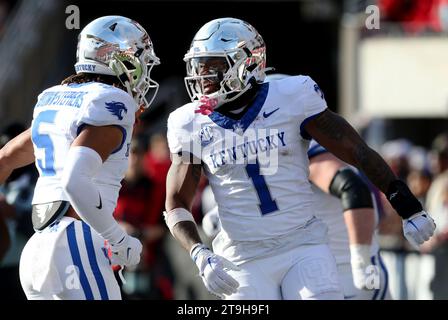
(213, 271)
(360, 260)
(418, 226)
(126, 252)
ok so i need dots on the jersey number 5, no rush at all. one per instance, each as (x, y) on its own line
(43, 141)
(267, 204)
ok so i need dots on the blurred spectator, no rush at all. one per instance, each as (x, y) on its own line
(140, 213)
(419, 178)
(437, 194)
(419, 159)
(15, 207)
(157, 160)
(443, 15)
(5, 241)
(439, 154)
(419, 182)
(5, 10)
(437, 205)
(414, 15)
(396, 152)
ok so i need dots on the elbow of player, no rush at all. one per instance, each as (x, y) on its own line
(351, 189)
(71, 182)
(67, 183)
(81, 166)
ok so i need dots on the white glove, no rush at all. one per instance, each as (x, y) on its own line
(213, 271)
(418, 228)
(360, 260)
(126, 252)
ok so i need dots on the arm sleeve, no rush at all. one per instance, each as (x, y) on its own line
(82, 164)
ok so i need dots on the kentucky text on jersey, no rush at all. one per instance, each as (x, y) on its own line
(237, 154)
(64, 98)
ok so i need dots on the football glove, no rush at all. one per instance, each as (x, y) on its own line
(360, 260)
(126, 252)
(213, 270)
(418, 228)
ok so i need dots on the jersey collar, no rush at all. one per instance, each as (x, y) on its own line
(243, 123)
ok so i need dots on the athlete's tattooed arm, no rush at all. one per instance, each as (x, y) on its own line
(340, 138)
(181, 184)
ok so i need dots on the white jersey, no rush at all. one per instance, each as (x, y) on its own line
(257, 166)
(329, 209)
(59, 116)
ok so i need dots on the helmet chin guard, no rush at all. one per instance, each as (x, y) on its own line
(119, 46)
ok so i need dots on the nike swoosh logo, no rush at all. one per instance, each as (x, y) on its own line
(101, 203)
(269, 113)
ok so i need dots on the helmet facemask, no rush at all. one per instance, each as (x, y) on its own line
(232, 80)
(134, 72)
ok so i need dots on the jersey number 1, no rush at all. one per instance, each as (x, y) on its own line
(267, 204)
(43, 141)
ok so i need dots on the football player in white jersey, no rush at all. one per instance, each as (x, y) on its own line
(251, 138)
(79, 139)
(351, 222)
(347, 203)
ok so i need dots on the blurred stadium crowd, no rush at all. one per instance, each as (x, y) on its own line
(415, 146)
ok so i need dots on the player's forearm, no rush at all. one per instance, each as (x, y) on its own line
(181, 183)
(357, 153)
(186, 233)
(373, 166)
(360, 225)
(17, 153)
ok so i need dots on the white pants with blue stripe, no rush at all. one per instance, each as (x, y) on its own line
(67, 261)
(381, 292)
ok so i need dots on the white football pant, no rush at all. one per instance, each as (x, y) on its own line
(67, 261)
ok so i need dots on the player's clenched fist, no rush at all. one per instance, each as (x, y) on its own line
(126, 252)
(418, 228)
(213, 271)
